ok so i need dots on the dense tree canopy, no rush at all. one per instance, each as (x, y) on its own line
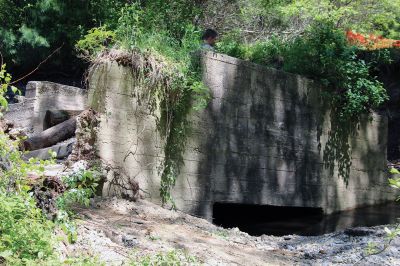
(31, 29)
(43, 25)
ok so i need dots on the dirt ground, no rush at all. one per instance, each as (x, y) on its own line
(112, 229)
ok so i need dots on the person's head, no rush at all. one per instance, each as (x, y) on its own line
(210, 36)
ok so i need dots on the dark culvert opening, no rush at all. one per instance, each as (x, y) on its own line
(257, 220)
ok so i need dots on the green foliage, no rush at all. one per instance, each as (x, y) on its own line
(81, 186)
(43, 25)
(394, 171)
(13, 168)
(5, 80)
(94, 42)
(324, 54)
(171, 258)
(32, 29)
(395, 181)
(267, 52)
(169, 72)
(361, 15)
(25, 234)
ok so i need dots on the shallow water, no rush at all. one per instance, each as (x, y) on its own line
(308, 222)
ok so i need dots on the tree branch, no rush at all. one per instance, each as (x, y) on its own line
(38, 66)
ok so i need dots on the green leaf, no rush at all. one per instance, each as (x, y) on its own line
(394, 171)
(15, 90)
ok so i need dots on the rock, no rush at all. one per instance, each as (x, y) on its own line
(129, 241)
(6, 125)
(45, 194)
(19, 98)
(18, 133)
(309, 255)
(359, 231)
(86, 129)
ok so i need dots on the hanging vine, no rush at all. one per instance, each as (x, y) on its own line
(170, 94)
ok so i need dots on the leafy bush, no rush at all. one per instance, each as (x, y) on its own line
(5, 80)
(94, 42)
(25, 233)
(267, 52)
(81, 186)
(324, 53)
(14, 170)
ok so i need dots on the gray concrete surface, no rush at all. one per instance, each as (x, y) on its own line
(266, 138)
(62, 149)
(42, 96)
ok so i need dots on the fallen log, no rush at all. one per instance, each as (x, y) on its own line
(55, 117)
(52, 136)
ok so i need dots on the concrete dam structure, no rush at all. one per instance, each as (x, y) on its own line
(265, 138)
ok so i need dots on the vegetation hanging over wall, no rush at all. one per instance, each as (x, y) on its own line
(322, 53)
(160, 44)
(166, 69)
(303, 36)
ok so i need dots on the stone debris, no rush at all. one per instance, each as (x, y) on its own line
(46, 192)
(86, 126)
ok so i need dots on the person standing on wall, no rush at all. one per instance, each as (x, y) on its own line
(209, 39)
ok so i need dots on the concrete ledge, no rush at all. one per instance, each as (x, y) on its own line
(63, 150)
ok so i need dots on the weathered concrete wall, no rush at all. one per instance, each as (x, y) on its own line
(42, 96)
(265, 138)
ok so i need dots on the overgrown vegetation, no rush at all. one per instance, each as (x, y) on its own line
(173, 257)
(31, 29)
(322, 53)
(165, 68)
(303, 36)
(162, 43)
(26, 203)
(159, 39)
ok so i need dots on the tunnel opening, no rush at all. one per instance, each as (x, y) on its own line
(257, 220)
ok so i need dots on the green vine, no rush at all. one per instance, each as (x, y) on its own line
(171, 91)
(161, 55)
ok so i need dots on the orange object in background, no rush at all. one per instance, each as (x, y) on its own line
(371, 42)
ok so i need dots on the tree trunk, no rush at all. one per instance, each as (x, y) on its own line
(55, 117)
(52, 136)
